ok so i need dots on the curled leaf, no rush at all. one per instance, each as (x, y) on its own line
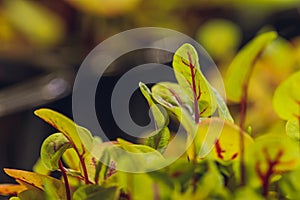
(52, 150)
(78, 136)
(160, 140)
(171, 96)
(160, 119)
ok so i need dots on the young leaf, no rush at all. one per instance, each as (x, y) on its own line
(286, 100)
(159, 118)
(35, 180)
(52, 150)
(72, 131)
(170, 96)
(219, 139)
(95, 192)
(222, 107)
(240, 69)
(160, 140)
(192, 81)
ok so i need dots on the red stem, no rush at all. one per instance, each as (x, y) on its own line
(197, 114)
(265, 178)
(66, 181)
(243, 112)
(81, 159)
(196, 106)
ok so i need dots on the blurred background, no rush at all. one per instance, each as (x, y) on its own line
(43, 43)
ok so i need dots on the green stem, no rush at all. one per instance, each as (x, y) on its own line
(66, 181)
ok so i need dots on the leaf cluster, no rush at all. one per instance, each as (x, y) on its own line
(218, 154)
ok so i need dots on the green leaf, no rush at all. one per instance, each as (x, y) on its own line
(36, 181)
(211, 184)
(170, 96)
(50, 191)
(270, 155)
(32, 194)
(77, 135)
(240, 69)
(159, 140)
(192, 81)
(292, 129)
(137, 148)
(182, 172)
(289, 184)
(246, 193)
(95, 192)
(14, 198)
(103, 171)
(40, 168)
(286, 100)
(222, 107)
(92, 163)
(52, 150)
(153, 185)
(219, 139)
(136, 185)
(205, 178)
(71, 159)
(132, 157)
(160, 119)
